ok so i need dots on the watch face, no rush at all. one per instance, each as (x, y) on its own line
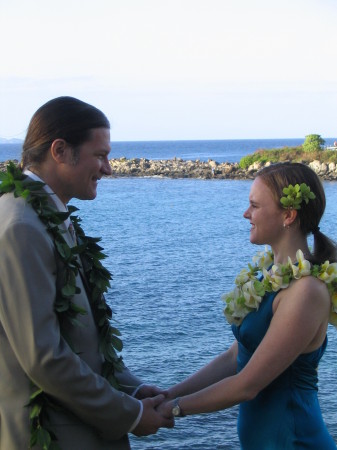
(176, 410)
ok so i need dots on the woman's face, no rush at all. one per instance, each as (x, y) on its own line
(265, 216)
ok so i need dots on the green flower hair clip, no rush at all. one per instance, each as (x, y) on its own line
(295, 195)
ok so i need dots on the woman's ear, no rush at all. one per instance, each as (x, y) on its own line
(59, 150)
(290, 215)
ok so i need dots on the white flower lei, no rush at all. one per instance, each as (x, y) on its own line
(250, 287)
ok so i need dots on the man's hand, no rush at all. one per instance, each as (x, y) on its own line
(147, 390)
(165, 408)
(151, 419)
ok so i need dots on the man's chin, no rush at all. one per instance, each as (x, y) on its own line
(88, 196)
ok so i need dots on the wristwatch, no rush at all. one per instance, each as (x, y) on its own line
(176, 410)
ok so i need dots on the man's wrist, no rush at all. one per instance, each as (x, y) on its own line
(136, 422)
(135, 392)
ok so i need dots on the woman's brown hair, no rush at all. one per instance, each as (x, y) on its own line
(280, 175)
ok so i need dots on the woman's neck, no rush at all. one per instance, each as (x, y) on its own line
(289, 248)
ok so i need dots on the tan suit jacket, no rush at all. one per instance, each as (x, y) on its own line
(94, 416)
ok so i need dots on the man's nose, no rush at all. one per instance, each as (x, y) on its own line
(106, 168)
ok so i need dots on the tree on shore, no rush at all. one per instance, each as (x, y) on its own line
(312, 149)
(313, 143)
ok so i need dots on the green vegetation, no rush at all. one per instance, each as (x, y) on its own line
(309, 151)
(313, 143)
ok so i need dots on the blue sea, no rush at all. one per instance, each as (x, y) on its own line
(220, 151)
(174, 246)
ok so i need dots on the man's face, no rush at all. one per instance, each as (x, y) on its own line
(80, 178)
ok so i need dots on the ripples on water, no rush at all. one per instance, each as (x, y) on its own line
(174, 247)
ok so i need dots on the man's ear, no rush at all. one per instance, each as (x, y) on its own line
(59, 150)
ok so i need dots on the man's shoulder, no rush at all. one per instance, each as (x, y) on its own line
(16, 212)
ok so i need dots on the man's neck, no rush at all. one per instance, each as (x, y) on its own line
(32, 174)
(58, 202)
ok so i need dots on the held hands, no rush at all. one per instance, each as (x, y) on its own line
(152, 419)
(147, 390)
(165, 407)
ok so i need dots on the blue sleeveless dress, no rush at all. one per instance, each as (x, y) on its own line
(286, 415)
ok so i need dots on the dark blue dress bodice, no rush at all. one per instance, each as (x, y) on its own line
(286, 414)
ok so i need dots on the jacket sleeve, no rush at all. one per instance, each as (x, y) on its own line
(27, 295)
(128, 381)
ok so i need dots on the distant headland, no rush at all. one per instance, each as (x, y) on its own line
(179, 168)
(207, 170)
(312, 152)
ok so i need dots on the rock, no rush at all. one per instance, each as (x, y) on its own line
(255, 166)
(315, 165)
(332, 167)
(212, 163)
(179, 168)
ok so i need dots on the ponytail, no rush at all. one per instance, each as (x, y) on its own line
(325, 249)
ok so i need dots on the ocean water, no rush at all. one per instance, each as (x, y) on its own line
(220, 151)
(174, 246)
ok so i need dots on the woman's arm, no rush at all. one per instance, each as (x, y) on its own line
(298, 326)
(221, 367)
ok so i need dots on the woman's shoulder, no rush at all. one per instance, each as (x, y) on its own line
(309, 284)
(306, 293)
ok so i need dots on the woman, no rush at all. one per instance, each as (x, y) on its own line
(279, 321)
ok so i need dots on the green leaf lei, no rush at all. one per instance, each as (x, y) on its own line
(295, 195)
(263, 276)
(87, 254)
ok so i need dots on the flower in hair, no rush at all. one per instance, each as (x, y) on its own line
(295, 195)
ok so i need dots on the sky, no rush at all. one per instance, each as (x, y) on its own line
(174, 69)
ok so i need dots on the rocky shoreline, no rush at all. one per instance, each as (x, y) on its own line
(179, 168)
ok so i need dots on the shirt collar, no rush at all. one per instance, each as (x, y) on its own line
(60, 206)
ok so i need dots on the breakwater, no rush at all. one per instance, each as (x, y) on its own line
(179, 168)
(176, 168)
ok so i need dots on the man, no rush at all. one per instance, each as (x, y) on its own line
(66, 147)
